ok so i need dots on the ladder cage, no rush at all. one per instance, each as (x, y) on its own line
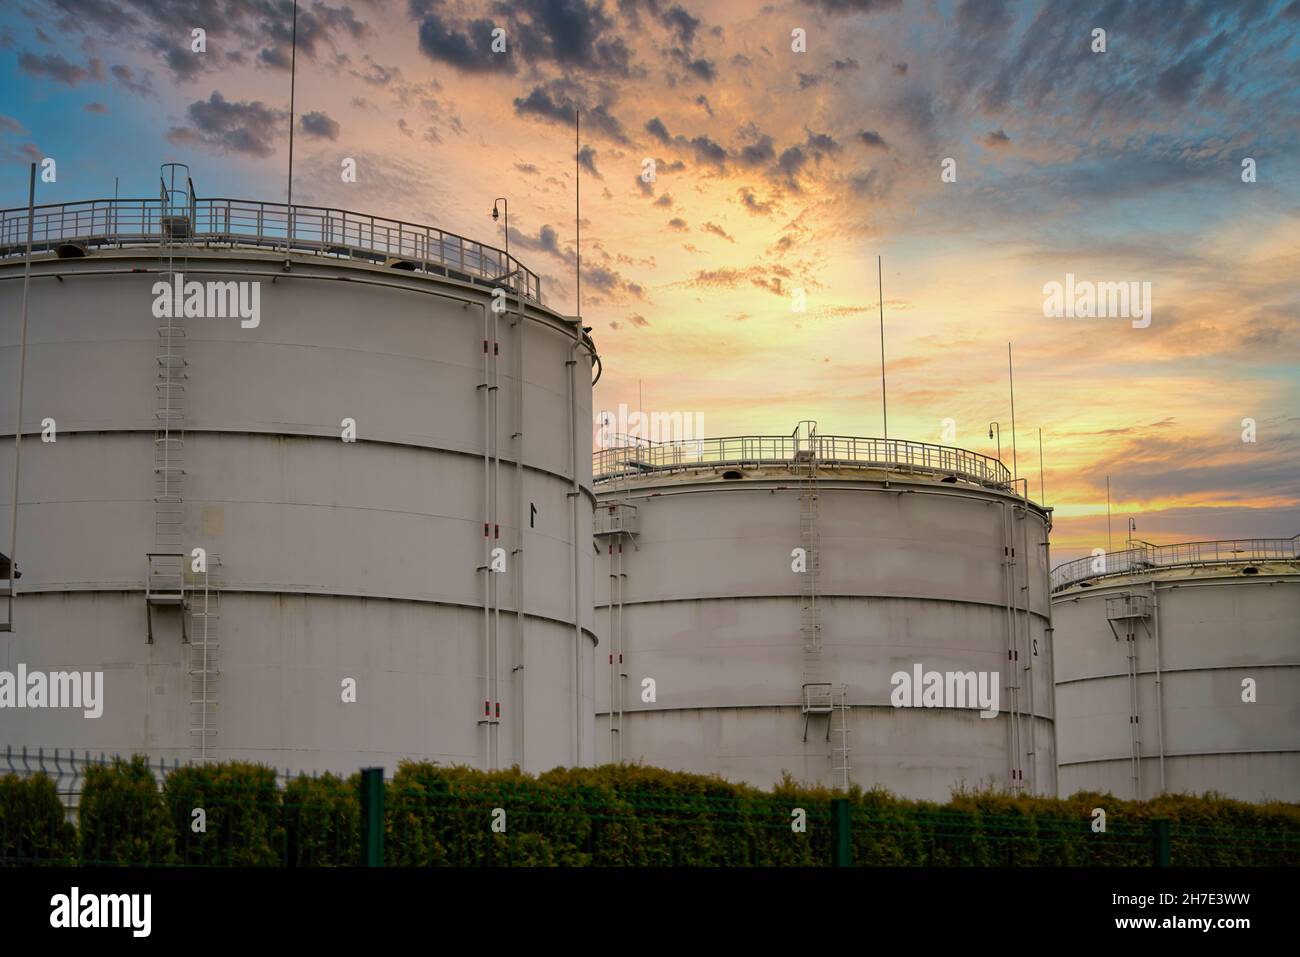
(176, 202)
(818, 696)
(167, 565)
(204, 656)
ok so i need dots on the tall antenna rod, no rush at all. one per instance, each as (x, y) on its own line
(1015, 470)
(577, 192)
(884, 404)
(293, 82)
(22, 370)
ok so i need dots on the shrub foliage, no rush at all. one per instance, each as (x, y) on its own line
(33, 827)
(610, 816)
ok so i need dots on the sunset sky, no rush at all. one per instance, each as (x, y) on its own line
(779, 170)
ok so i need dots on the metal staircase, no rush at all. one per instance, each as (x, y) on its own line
(205, 647)
(165, 585)
(819, 696)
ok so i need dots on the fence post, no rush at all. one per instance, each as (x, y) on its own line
(841, 847)
(1160, 842)
(372, 817)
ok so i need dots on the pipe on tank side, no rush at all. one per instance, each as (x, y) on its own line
(1014, 663)
(619, 653)
(1135, 716)
(487, 557)
(18, 420)
(616, 648)
(1137, 711)
(1029, 652)
(496, 537)
(517, 670)
(1160, 706)
(1050, 635)
(613, 643)
(615, 616)
(572, 364)
(579, 339)
(1012, 743)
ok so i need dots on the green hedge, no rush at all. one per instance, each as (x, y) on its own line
(241, 814)
(444, 816)
(322, 821)
(616, 815)
(122, 819)
(33, 827)
(637, 816)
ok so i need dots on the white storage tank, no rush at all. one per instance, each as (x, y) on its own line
(389, 480)
(1178, 670)
(759, 595)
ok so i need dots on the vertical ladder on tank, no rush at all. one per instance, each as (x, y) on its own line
(1130, 608)
(819, 696)
(205, 648)
(166, 563)
(489, 632)
(805, 457)
(841, 749)
(1134, 719)
(616, 522)
(617, 665)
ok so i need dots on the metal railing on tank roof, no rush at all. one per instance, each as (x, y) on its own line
(229, 223)
(838, 451)
(1144, 556)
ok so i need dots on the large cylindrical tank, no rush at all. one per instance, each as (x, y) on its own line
(1178, 670)
(387, 575)
(758, 595)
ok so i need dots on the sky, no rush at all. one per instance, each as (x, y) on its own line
(983, 150)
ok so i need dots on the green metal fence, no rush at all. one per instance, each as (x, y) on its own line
(227, 815)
